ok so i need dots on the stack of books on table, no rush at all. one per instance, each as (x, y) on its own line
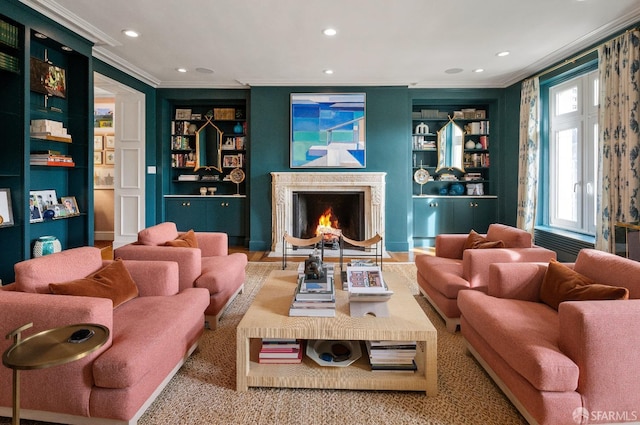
(365, 284)
(280, 351)
(314, 298)
(392, 356)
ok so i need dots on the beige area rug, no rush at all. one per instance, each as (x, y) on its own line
(203, 391)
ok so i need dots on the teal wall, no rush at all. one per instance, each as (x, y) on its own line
(388, 149)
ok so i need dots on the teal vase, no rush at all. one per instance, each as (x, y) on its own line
(46, 245)
(238, 128)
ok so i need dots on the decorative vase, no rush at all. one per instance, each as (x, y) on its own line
(238, 128)
(46, 245)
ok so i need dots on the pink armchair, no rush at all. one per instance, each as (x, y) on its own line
(208, 266)
(574, 365)
(453, 268)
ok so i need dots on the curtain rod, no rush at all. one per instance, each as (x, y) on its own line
(577, 57)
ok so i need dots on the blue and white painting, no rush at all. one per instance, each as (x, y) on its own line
(328, 130)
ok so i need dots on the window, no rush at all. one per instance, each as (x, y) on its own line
(572, 153)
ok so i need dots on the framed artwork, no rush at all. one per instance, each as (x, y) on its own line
(231, 161)
(103, 115)
(44, 198)
(6, 212)
(97, 143)
(47, 78)
(328, 130)
(109, 157)
(70, 205)
(183, 114)
(97, 158)
(110, 141)
(103, 177)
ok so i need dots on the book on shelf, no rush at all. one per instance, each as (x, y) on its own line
(274, 344)
(292, 354)
(282, 360)
(317, 308)
(407, 368)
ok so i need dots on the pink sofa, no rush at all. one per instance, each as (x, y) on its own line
(151, 336)
(573, 366)
(453, 268)
(208, 266)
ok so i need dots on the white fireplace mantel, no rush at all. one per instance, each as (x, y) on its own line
(283, 184)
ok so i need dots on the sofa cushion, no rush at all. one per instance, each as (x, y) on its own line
(158, 234)
(185, 240)
(561, 283)
(36, 274)
(443, 274)
(525, 335)
(599, 264)
(112, 281)
(218, 273)
(511, 236)
(477, 241)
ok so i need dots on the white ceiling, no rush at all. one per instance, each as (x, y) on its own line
(379, 42)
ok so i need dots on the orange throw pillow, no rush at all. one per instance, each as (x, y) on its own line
(112, 281)
(476, 241)
(185, 240)
(561, 283)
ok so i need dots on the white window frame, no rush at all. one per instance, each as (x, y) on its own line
(585, 121)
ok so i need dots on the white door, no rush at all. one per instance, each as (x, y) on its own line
(129, 183)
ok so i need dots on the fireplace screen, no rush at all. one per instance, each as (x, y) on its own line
(330, 213)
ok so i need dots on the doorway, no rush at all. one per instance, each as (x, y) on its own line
(119, 161)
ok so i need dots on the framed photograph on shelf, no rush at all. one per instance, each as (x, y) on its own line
(103, 177)
(35, 210)
(70, 205)
(328, 130)
(110, 141)
(97, 158)
(231, 161)
(183, 114)
(45, 198)
(6, 213)
(109, 157)
(97, 143)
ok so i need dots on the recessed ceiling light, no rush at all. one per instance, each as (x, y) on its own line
(478, 70)
(328, 71)
(453, 70)
(504, 53)
(40, 35)
(181, 69)
(131, 33)
(67, 49)
(329, 32)
(204, 70)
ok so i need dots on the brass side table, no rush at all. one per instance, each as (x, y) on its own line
(46, 349)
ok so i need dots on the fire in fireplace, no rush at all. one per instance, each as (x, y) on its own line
(331, 213)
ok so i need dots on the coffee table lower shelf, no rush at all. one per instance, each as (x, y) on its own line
(357, 376)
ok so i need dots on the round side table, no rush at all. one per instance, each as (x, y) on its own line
(46, 349)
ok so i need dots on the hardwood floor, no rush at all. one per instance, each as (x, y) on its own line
(263, 256)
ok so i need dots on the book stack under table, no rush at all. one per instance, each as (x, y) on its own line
(392, 356)
(314, 298)
(280, 351)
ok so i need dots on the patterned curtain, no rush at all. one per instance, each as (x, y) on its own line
(619, 67)
(528, 159)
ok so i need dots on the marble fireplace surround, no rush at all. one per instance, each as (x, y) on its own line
(283, 184)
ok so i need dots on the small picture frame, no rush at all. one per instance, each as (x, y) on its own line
(35, 210)
(58, 211)
(110, 141)
(109, 157)
(183, 114)
(44, 199)
(70, 205)
(6, 212)
(231, 161)
(196, 117)
(97, 158)
(97, 143)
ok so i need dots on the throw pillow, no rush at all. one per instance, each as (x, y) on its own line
(112, 281)
(185, 240)
(561, 283)
(476, 241)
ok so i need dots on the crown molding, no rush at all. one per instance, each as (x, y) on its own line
(117, 62)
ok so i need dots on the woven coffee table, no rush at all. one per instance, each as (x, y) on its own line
(268, 317)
